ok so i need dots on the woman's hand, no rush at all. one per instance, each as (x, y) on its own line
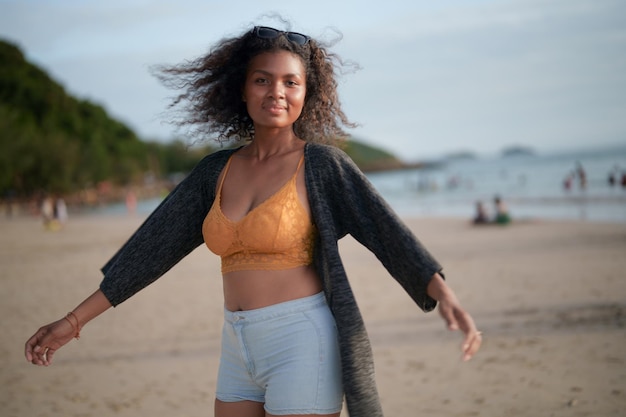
(42, 346)
(455, 316)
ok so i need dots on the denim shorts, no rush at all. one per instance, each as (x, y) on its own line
(285, 356)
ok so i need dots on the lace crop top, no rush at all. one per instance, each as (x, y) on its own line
(277, 234)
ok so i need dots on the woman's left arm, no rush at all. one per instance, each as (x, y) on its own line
(454, 315)
(358, 209)
(343, 197)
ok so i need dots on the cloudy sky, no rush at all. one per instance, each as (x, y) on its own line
(436, 76)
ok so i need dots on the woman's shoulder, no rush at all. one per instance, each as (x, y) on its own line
(220, 154)
(320, 154)
(210, 166)
(214, 160)
(324, 148)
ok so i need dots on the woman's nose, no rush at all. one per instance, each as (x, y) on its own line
(277, 90)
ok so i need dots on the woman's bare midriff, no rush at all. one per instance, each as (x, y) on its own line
(249, 290)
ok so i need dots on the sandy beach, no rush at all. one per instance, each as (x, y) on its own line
(550, 298)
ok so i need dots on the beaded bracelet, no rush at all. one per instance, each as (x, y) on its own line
(75, 327)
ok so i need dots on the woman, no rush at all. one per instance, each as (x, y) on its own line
(293, 341)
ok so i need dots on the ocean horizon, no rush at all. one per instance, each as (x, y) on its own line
(531, 185)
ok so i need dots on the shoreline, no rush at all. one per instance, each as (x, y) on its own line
(546, 209)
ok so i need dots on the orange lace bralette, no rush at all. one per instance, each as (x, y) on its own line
(276, 234)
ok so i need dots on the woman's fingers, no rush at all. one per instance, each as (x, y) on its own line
(471, 344)
(33, 347)
(473, 338)
(46, 341)
(458, 319)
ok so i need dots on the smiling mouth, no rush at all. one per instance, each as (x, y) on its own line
(274, 109)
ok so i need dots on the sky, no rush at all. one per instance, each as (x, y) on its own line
(434, 77)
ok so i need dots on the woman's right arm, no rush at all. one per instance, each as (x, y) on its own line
(41, 347)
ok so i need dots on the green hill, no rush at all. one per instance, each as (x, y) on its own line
(369, 158)
(53, 142)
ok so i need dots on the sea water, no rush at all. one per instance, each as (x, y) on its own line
(532, 186)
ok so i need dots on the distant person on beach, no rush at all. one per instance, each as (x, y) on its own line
(582, 176)
(567, 182)
(47, 211)
(131, 202)
(612, 177)
(273, 209)
(60, 211)
(53, 213)
(502, 215)
(481, 217)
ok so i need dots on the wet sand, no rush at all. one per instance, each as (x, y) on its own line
(550, 298)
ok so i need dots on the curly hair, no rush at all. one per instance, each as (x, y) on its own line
(211, 85)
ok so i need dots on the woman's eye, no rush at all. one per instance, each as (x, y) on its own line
(261, 81)
(291, 83)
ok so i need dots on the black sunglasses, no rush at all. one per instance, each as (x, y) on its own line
(265, 32)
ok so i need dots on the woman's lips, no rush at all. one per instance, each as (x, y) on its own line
(275, 109)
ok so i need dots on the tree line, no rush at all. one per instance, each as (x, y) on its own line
(55, 143)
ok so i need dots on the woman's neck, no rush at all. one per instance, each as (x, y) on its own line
(266, 144)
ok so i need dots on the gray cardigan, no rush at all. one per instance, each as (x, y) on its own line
(342, 202)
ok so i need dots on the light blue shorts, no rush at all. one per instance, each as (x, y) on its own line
(285, 356)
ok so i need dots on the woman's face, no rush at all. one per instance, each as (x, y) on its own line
(275, 89)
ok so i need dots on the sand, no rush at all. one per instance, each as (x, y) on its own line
(550, 298)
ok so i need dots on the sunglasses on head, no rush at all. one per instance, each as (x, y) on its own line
(265, 32)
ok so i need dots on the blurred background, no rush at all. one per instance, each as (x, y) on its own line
(457, 101)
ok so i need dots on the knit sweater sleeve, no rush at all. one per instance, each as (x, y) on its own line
(359, 210)
(169, 234)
